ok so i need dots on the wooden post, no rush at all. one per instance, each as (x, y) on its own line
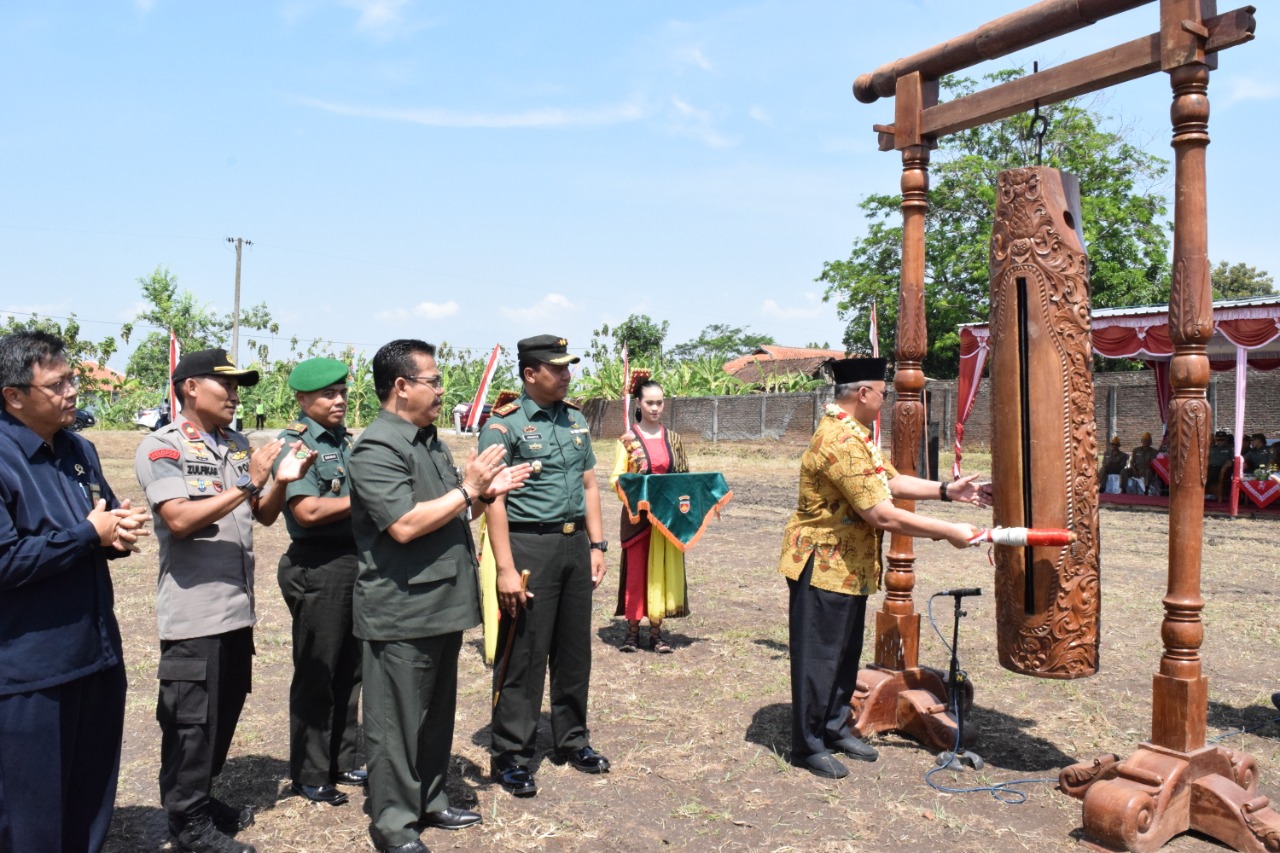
(895, 692)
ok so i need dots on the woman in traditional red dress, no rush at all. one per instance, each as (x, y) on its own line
(652, 580)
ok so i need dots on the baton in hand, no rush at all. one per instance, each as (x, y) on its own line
(511, 635)
(1022, 537)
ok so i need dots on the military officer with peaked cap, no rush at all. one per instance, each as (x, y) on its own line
(553, 529)
(317, 575)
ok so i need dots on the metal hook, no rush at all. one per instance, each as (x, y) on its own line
(1039, 125)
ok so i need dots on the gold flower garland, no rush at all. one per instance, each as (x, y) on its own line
(851, 423)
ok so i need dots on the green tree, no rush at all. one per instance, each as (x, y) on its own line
(642, 336)
(1121, 204)
(1239, 281)
(720, 341)
(78, 349)
(196, 325)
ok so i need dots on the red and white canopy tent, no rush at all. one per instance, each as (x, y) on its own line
(1246, 333)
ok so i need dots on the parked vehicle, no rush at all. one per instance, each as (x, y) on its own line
(152, 418)
(462, 410)
(84, 419)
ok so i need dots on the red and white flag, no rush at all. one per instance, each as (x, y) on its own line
(875, 333)
(477, 405)
(175, 353)
(626, 390)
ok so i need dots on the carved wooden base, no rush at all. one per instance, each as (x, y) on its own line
(911, 701)
(1140, 803)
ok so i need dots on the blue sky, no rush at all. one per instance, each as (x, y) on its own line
(476, 173)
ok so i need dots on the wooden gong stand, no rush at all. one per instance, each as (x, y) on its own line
(1174, 782)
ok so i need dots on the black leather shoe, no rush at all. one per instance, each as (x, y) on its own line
(452, 818)
(517, 780)
(321, 794)
(585, 759)
(228, 818)
(854, 748)
(414, 846)
(826, 765)
(351, 777)
(201, 836)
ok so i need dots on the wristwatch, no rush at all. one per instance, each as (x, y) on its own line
(602, 545)
(245, 484)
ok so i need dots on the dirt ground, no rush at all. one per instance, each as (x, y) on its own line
(698, 739)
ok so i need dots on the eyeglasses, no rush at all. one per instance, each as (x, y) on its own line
(59, 388)
(879, 391)
(436, 382)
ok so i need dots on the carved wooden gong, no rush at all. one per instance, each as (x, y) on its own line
(1043, 443)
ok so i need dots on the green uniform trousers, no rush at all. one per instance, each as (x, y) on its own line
(316, 579)
(555, 628)
(410, 693)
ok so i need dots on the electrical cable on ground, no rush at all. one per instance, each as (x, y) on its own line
(1003, 792)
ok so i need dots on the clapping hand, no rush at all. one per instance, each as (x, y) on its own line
(131, 525)
(295, 462)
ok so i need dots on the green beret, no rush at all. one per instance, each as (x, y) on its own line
(316, 373)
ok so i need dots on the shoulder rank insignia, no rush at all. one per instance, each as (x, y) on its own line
(190, 433)
(572, 404)
(503, 411)
(297, 426)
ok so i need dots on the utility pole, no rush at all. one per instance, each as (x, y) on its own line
(235, 316)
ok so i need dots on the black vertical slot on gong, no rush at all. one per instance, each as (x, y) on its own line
(1024, 419)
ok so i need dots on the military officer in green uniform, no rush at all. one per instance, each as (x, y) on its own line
(551, 528)
(317, 574)
(416, 592)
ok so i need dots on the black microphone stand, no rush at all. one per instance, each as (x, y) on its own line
(960, 757)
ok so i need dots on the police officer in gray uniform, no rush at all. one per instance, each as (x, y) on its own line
(552, 528)
(317, 574)
(205, 486)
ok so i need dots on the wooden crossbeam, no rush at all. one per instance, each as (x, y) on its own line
(1128, 61)
(1023, 28)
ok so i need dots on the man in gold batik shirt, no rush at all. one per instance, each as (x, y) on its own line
(831, 559)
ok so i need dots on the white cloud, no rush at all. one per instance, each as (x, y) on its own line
(546, 117)
(812, 310)
(694, 56)
(553, 306)
(377, 15)
(1251, 89)
(760, 115)
(129, 315)
(144, 6)
(421, 311)
(696, 124)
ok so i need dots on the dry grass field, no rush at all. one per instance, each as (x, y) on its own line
(698, 739)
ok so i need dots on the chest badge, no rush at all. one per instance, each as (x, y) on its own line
(530, 428)
(200, 484)
(685, 504)
(536, 465)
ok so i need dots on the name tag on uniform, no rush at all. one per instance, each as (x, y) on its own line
(328, 457)
(579, 431)
(532, 436)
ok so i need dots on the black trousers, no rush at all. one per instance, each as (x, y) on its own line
(825, 633)
(555, 630)
(317, 579)
(203, 684)
(59, 762)
(410, 699)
